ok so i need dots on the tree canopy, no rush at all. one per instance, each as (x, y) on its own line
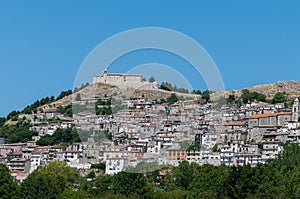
(169, 87)
(60, 137)
(206, 95)
(17, 133)
(280, 98)
(8, 188)
(151, 79)
(172, 99)
(248, 96)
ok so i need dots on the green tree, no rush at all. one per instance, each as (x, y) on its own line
(206, 95)
(280, 98)
(216, 148)
(70, 193)
(50, 181)
(184, 174)
(2, 121)
(241, 183)
(197, 92)
(103, 185)
(100, 166)
(131, 185)
(13, 115)
(60, 137)
(172, 99)
(210, 182)
(169, 87)
(258, 97)
(246, 96)
(165, 86)
(8, 189)
(64, 94)
(151, 79)
(173, 194)
(230, 99)
(17, 133)
(168, 182)
(33, 108)
(91, 175)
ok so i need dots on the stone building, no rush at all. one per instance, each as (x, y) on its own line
(296, 110)
(124, 81)
(271, 119)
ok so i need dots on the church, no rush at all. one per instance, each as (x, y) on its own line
(296, 110)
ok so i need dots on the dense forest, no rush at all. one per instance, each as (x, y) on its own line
(278, 179)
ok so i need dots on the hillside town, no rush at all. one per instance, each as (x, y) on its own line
(149, 130)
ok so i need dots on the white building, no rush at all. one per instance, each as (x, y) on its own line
(36, 160)
(115, 165)
(71, 155)
(227, 156)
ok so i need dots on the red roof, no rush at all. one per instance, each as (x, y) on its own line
(15, 153)
(16, 171)
(71, 151)
(152, 125)
(269, 115)
(40, 151)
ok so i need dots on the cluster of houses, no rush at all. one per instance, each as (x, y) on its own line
(23, 158)
(148, 131)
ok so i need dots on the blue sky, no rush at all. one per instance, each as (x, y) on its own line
(43, 43)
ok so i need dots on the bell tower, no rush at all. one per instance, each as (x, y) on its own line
(296, 110)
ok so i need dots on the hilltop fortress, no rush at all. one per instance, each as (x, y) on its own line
(124, 81)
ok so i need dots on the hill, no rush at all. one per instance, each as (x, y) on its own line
(292, 88)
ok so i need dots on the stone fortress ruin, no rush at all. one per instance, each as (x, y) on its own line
(124, 81)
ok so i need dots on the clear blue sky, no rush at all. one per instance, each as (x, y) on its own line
(43, 43)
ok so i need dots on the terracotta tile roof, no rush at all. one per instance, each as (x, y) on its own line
(15, 153)
(40, 151)
(269, 115)
(71, 151)
(16, 171)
